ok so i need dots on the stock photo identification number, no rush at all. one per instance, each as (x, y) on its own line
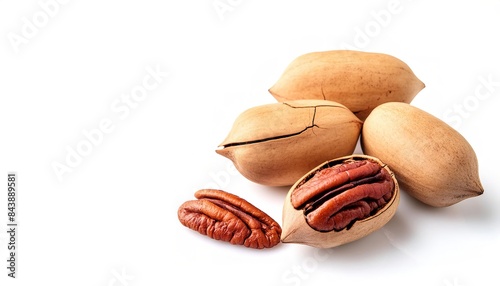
(11, 224)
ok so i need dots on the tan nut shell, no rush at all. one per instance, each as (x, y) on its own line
(296, 230)
(432, 162)
(275, 144)
(359, 80)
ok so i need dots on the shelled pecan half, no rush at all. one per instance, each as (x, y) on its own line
(227, 217)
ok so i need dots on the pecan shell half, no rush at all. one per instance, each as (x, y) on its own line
(340, 201)
(227, 217)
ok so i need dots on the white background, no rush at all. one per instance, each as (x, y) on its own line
(111, 217)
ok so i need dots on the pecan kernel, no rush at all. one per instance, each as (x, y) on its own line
(227, 217)
(334, 198)
(340, 201)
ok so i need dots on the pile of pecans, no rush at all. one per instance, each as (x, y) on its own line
(327, 102)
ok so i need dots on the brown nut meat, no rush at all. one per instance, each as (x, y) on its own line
(227, 217)
(340, 201)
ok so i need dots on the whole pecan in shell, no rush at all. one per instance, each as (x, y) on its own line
(359, 80)
(227, 217)
(433, 162)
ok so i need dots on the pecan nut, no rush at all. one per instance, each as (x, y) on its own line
(433, 162)
(275, 144)
(227, 217)
(340, 201)
(335, 197)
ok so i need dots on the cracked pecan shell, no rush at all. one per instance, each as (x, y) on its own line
(276, 144)
(340, 201)
(227, 217)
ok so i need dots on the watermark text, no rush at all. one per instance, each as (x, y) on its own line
(121, 107)
(31, 26)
